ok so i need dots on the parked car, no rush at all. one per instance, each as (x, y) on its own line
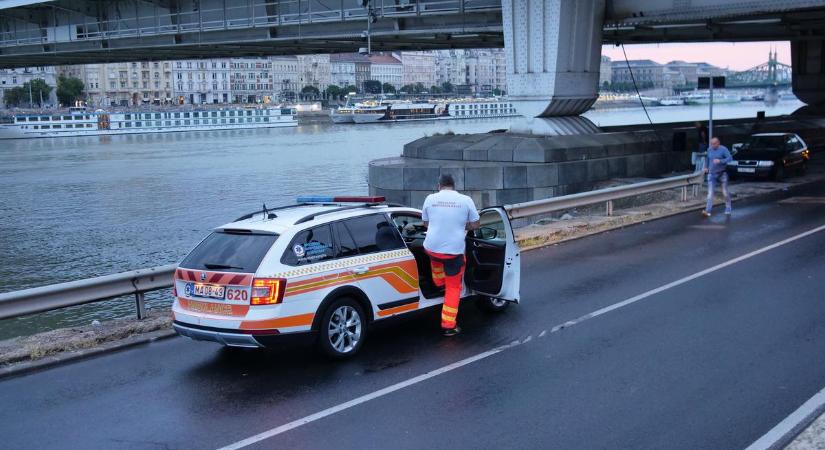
(770, 155)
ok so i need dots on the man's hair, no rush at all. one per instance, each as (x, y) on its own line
(446, 180)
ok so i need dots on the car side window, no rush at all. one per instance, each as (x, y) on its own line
(373, 233)
(346, 245)
(309, 247)
(410, 226)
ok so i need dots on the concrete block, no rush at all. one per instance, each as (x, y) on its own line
(477, 178)
(417, 198)
(542, 175)
(655, 164)
(635, 165)
(597, 170)
(386, 176)
(446, 151)
(616, 167)
(515, 177)
(502, 148)
(474, 154)
(392, 195)
(528, 150)
(510, 196)
(572, 172)
(542, 193)
(423, 178)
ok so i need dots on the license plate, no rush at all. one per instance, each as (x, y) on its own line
(747, 170)
(205, 290)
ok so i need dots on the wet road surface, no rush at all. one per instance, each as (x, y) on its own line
(713, 362)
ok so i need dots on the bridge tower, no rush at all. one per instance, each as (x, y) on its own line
(553, 50)
(808, 76)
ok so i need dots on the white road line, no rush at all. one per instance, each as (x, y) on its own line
(782, 429)
(434, 373)
(684, 280)
(365, 398)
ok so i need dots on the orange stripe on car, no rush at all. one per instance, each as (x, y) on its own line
(282, 322)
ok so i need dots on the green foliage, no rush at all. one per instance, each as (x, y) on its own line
(310, 91)
(498, 92)
(334, 91)
(388, 88)
(350, 88)
(447, 87)
(372, 87)
(69, 89)
(20, 95)
(435, 90)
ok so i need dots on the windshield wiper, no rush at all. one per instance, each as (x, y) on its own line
(221, 266)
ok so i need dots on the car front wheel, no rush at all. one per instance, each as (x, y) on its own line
(342, 329)
(491, 304)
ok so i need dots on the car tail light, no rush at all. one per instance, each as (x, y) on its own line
(174, 288)
(267, 291)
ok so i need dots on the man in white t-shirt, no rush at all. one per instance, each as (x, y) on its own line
(448, 216)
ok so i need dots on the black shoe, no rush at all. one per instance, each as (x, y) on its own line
(452, 331)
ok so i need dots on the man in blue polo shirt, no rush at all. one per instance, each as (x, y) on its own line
(715, 166)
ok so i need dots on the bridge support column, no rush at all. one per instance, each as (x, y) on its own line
(808, 65)
(553, 50)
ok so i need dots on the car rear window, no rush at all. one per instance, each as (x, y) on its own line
(230, 252)
(767, 142)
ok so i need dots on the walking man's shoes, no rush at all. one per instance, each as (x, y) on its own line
(452, 331)
(705, 213)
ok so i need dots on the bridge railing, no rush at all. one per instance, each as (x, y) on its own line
(234, 15)
(139, 282)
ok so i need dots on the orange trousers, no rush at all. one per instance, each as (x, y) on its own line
(449, 310)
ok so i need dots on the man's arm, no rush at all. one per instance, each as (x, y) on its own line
(473, 225)
(727, 157)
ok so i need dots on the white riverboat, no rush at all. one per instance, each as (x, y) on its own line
(80, 122)
(441, 110)
(704, 98)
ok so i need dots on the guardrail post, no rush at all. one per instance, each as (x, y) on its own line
(140, 305)
(609, 208)
(684, 193)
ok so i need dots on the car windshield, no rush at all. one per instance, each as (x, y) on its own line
(230, 252)
(766, 143)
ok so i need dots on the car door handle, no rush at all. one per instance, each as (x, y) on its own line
(360, 270)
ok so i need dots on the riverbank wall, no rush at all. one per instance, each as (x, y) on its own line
(499, 168)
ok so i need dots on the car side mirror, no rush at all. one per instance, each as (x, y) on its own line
(486, 233)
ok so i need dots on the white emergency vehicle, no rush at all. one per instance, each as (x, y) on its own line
(327, 267)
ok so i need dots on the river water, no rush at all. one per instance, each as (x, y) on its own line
(73, 208)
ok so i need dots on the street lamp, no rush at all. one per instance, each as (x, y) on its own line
(371, 18)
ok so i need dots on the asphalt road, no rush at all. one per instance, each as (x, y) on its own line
(713, 362)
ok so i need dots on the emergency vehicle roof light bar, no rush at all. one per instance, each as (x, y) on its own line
(339, 199)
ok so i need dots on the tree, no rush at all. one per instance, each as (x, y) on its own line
(15, 97)
(40, 90)
(419, 88)
(388, 88)
(334, 91)
(435, 90)
(69, 89)
(498, 92)
(407, 89)
(606, 85)
(310, 91)
(350, 88)
(372, 87)
(447, 87)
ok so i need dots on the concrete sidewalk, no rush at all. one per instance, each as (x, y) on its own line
(812, 438)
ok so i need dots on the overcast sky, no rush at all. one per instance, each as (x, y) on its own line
(735, 56)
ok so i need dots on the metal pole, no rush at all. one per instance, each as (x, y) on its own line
(710, 121)
(31, 100)
(609, 208)
(140, 305)
(684, 193)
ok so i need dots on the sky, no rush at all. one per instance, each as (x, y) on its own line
(735, 56)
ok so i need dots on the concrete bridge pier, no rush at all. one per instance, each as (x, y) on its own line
(553, 50)
(808, 63)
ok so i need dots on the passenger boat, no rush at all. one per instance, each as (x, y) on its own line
(671, 101)
(408, 111)
(704, 98)
(80, 122)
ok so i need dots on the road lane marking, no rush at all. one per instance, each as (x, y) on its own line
(436, 372)
(791, 424)
(684, 280)
(365, 398)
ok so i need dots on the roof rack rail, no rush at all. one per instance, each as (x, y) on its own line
(250, 215)
(312, 216)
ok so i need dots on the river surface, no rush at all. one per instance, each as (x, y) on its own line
(73, 208)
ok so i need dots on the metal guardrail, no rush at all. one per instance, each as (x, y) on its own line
(608, 195)
(138, 282)
(72, 293)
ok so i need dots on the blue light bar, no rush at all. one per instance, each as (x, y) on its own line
(339, 199)
(315, 199)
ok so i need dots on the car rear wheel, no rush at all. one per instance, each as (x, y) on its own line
(343, 329)
(491, 304)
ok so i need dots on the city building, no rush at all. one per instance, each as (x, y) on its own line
(417, 67)
(385, 68)
(285, 79)
(349, 69)
(201, 81)
(605, 71)
(646, 74)
(250, 80)
(12, 78)
(123, 84)
(314, 70)
(690, 71)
